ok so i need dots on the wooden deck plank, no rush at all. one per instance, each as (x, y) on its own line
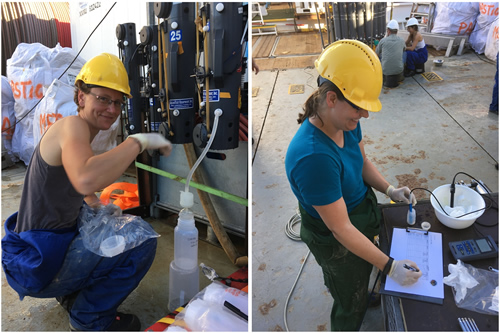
(267, 64)
(301, 43)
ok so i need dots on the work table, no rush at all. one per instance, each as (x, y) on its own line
(402, 314)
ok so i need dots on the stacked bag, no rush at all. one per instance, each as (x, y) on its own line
(479, 20)
(42, 86)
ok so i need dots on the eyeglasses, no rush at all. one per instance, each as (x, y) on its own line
(353, 105)
(106, 101)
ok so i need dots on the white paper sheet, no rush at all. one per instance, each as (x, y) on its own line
(427, 252)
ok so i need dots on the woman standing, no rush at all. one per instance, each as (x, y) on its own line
(416, 51)
(333, 179)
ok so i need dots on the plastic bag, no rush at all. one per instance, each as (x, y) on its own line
(106, 233)
(206, 312)
(455, 18)
(30, 71)
(488, 13)
(474, 289)
(491, 49)
(8, 118)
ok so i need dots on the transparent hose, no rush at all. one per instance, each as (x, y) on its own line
(217, 113)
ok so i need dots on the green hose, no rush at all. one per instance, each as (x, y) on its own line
(208, 189)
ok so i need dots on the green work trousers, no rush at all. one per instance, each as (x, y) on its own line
(346, 275)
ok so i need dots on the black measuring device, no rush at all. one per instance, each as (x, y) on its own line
(474, 249)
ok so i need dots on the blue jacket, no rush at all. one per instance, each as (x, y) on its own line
(31, 259)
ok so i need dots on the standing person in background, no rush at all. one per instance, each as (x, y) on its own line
(390, 50)
(255, 68)
(416, 50)
(494, 98)
(332, 179)
(42, 253)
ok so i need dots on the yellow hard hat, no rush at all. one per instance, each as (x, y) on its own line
(355, 69)
(105, 70)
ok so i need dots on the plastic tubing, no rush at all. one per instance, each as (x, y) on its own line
(217, 113)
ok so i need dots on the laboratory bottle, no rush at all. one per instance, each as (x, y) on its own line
(183, 285)
(186, 241)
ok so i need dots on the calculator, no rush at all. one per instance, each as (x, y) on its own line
(474, 249)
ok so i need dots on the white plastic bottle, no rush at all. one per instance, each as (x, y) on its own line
(186, 241)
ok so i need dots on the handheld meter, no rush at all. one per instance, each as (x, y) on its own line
(474, 249)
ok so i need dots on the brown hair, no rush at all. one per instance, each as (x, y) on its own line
(312, 103)
(80, 85)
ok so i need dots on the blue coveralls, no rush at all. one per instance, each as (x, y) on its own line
(416, 57)
(51, 263)
(494, 98)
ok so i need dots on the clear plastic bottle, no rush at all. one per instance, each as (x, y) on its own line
(183, 285)
(186, 241)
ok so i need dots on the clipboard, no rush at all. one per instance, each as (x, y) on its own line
(426, 250)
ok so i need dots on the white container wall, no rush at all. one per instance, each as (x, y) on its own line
(85, 16)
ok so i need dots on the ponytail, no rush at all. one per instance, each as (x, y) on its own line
(315, 100)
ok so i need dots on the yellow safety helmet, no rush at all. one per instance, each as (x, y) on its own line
(105, 70)
(355, 69)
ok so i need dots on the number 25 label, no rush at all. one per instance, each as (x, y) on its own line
(176, 36)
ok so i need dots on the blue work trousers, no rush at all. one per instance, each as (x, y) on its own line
(416, 57)
(103, 283)
(494, 99)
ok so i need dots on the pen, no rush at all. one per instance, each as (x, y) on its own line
(235, 310)
(411, 268)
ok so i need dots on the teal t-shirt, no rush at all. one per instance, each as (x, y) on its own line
(320, 172)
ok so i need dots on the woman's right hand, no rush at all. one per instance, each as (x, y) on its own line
(153, 141)
(402, 275)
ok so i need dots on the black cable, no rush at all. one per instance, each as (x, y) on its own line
(444, 211)
(477, 181)
(475, 211)
(76, 57)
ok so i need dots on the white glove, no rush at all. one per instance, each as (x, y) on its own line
(401, 194)
(153, 141)
(402, 275)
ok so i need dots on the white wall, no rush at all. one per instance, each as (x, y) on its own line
(85, 16)
(400, 11)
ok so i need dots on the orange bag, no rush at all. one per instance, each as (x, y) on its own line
(129, 198)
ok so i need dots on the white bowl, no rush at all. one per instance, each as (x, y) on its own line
(112, 246)
(465, 198)
(438, 62)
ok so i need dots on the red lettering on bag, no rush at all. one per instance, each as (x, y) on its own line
(39, 91)
(486, 9)
(47, 119)
(463, 25)
(9, 132)
(25, 90)
(495, 33)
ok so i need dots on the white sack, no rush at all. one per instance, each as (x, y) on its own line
(491, 49)
(455, 18)
(57, 103)
(488, 13)
(8, 118)
(30, 71)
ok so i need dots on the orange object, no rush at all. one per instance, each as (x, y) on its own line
(129, 198)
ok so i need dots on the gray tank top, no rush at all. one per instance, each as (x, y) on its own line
(48, 201)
